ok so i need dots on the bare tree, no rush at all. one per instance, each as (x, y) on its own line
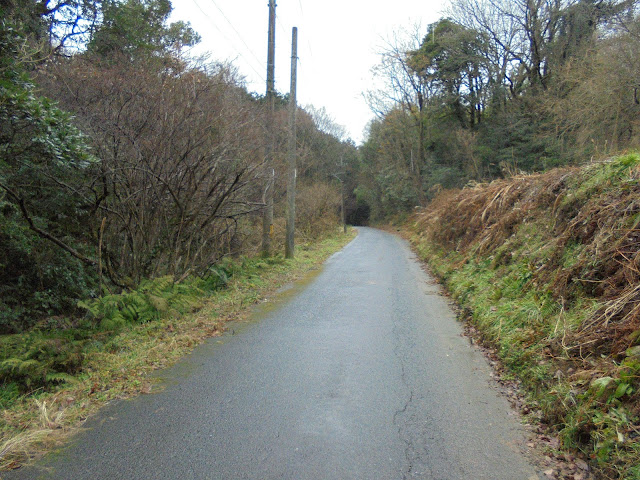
(529, 38)
(594, 103)
(497, 21)
(403, 87)
(179, 151)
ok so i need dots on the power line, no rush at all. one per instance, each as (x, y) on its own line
(231, 42)
(237, 33)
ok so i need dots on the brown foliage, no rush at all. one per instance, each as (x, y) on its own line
(179, 149)
(484, 215)
(601, 220)
(594, 101)
(317, 209)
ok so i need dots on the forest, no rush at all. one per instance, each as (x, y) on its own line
(123, 158)
(133, 180)
(496, 88)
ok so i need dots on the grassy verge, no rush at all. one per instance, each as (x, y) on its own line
(54, 378)
(545, 267)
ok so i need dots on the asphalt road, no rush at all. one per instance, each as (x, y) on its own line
(361, 375)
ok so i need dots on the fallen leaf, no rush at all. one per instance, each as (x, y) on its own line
(582, 465)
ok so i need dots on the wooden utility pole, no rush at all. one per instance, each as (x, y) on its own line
(267, 197)
(344, 213)
(340, 176)
(291, 156)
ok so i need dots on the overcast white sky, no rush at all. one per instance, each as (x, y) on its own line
(337, 45)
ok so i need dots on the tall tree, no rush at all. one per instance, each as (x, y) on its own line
(404, 87)
(139, 28)
(45, 207)
(450, 57)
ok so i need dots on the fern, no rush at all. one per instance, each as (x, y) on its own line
(36, 359)
(59, 377)
(217, 278)
(153, 300)
(158, 285)
(16, 365)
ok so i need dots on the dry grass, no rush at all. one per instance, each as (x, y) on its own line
(547, 267)
(44, 420)
(484, 215)
(602, 218)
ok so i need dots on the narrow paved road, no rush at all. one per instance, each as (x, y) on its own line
(363, 375)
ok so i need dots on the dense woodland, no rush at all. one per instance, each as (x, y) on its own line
(133, 179)
(499, 87)
(123, 158)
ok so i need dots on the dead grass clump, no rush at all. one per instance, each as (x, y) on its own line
(608, 266)
(592, 250)
(481, 217)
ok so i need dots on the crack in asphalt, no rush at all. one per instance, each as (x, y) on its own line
(399, 347)
(360, 376)
(408, 449)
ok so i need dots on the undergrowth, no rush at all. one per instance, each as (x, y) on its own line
(54, 376)
(546, 266)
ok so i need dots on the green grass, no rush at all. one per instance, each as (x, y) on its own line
(608, 174)
(520, 321)
(53, 379)
(509, 295)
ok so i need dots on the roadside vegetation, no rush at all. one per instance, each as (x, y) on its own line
(545, 267)
(53, 378)
(132, 187)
